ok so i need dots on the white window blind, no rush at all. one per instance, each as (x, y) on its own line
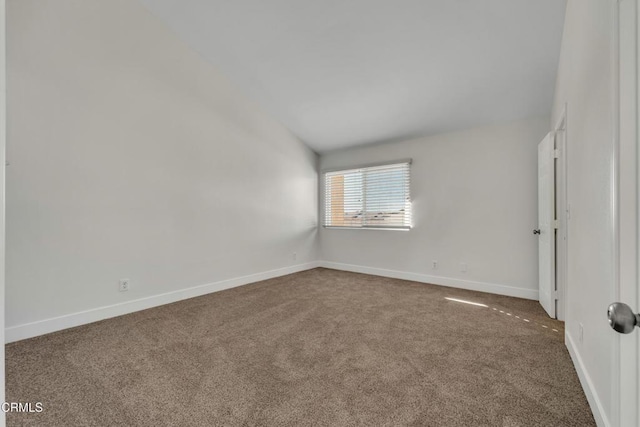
(369, 197)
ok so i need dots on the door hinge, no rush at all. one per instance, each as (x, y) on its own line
(556, 224)
(555, 294)
(556, 153)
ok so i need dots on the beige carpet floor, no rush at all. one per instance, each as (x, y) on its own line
(321, 347)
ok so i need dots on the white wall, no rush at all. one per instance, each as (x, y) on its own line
(474, 198)
(131, 157)
(586, 84)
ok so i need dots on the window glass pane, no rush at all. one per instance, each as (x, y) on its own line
(368, 197)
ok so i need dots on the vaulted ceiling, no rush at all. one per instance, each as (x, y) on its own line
(340, 73)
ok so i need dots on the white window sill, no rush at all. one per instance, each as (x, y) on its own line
(368, 228)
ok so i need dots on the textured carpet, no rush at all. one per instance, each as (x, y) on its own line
(321, 347)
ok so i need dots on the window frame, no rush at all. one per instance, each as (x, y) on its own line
(323, 206)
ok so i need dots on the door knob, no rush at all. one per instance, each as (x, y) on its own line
(621, 318)
(536, 231)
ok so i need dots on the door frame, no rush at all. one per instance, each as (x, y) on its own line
(562, 215)
(626, 350)
(3, 136)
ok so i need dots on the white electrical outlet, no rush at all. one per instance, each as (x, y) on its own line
(434, 264)
(124, 285)
(580, 333)
(463, 267)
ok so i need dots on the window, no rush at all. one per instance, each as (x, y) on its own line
(369, 197)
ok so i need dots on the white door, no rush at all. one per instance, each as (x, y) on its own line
(546, 225)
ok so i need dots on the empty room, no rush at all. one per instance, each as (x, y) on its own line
(327, 213)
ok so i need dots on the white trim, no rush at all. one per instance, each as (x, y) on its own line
(337, 227)
(436, 280)
(41, 327)
(590, 392)
(366, 165)
(562, 217)
(614, 367)
(3, 148)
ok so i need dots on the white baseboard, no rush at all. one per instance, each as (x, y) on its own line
(587, 385)
(29, 330)
(436, 280)
(41, 327)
